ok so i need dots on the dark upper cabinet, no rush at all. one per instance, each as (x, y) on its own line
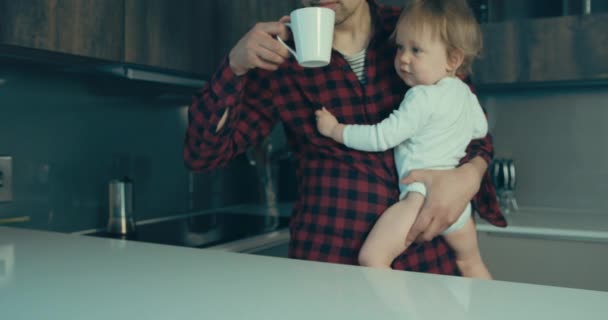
(185, 35)
(91, 28)
(173, 34)
(568, 49)
(236, 17)
(510, 10)
(193, 35)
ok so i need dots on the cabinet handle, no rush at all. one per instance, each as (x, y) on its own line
(15, 220)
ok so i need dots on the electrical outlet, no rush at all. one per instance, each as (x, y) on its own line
(6, 178)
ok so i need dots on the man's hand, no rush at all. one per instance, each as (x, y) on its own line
(259, 48)
(328, 125)
(448, 193)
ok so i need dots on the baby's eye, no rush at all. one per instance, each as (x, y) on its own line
(416, 50)
(399, 47)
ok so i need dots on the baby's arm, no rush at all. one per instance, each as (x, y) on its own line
(412, 114)
(329, 126)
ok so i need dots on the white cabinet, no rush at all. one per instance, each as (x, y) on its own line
(546, 261)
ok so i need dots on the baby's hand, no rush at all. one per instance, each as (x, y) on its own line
(326, 122)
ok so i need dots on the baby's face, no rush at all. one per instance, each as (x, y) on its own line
(421, 58)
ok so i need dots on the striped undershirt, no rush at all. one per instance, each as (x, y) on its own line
(357, 64)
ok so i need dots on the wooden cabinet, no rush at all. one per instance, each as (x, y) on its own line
(83, 27)
(176, 34)
(542, 44)
(549, 50)
(185, 35)
(172, 34)
(236, 17)
(546, 261)
(509, 10)
(193, 35)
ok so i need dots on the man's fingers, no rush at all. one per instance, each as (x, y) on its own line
(270, 56)
(261, 42)
(439, 223)
(262, 64)
(266, 32)
(434, 228)
(259, 48)
(418, 227)
(274, 28)
(284, 33)
(272, 44)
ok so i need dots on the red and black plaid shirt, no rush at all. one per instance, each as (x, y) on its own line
(341, 192)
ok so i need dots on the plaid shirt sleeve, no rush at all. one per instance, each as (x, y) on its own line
(205, 147)
(485, 201)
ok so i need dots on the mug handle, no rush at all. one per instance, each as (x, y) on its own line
(285, 45)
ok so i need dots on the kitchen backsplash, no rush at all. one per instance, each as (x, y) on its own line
(67, 141)
(557, 138)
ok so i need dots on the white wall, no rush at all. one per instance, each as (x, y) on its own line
(558, 138)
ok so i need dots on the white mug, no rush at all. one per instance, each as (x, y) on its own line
(313, 33)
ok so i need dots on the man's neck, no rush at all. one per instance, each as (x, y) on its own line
(353, 35)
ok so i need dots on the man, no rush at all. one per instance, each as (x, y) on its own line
(341, 192)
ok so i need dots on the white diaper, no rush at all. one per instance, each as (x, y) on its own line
(420, 188)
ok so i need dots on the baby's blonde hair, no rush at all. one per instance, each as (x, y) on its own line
(451, 20)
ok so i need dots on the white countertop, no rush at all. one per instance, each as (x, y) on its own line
(567, 224)
(45, 275)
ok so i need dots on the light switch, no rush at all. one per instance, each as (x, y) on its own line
(6, 178)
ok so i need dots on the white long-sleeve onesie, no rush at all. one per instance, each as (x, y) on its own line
(431, 129)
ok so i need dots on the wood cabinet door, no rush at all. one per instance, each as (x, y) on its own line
(91, 28)
(545, 260)
(235, 17)
(192, 35)
(562, 49)
(173, 34)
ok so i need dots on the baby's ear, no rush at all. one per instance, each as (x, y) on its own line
(455, 59)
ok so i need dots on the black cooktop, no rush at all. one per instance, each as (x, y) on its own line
(204, 230)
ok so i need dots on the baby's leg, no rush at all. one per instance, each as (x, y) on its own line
(387, 238)
(468, 257)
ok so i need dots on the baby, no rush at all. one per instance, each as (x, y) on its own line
(436, 42)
